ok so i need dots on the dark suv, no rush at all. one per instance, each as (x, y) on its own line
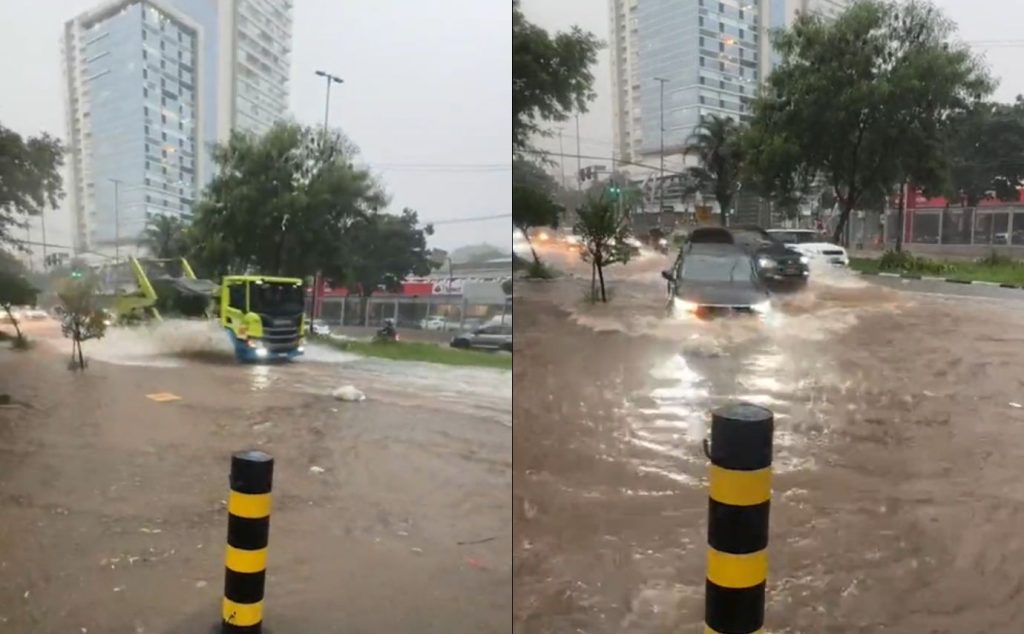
(778, 266)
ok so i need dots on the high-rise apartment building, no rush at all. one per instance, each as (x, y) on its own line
(255, 64)
(684, 59)
(151, 86)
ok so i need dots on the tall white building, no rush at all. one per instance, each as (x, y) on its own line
(151, 85)
(708, 56)
(255, 64)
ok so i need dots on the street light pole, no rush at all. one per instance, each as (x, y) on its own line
(661, 114)
(117, 220)
(330, 79)
(579, 162)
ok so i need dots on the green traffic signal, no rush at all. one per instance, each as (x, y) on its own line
(76, 274)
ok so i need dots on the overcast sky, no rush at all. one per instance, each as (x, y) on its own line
(978, 21)
(426, 92)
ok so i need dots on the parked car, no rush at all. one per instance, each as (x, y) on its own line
(320, 328)
(437, 322)
(494, 337)
(716, 280)
(815, 246)
(779, 267)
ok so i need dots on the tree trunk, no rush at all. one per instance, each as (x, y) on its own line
(81, 358)
(14, 322)
(536, 260)
(593, 280)
(600, 275)
(844, 216)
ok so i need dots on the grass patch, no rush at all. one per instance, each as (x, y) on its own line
(992, 268)
(425, 352)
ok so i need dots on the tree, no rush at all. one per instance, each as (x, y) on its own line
(551, 76)
(166, 237)
(604, 231)
(987, 153)
(717, 144)
(862, 102)
(83, 320)
(532, 202)
(281, 203)
(506, 287)
(15, 290)
(29, 178)
(382, 250)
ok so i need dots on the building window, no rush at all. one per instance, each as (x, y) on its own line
(721, 47)
(701, 60)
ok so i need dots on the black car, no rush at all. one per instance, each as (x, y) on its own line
(715, 280)
(780, 267)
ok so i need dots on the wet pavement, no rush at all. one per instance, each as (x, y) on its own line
(389, 515)
(900, 432)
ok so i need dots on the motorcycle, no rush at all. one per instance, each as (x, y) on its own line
(387, 333)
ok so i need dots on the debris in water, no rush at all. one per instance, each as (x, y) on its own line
(476, 541)
(163, 397)
(316, 469)
(262, 426)
(348, 393)
(1016, 405)
(418, 551)
(154, 531)
(200, 584)
(118, 588)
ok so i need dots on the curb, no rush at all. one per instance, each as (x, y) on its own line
(950, 280)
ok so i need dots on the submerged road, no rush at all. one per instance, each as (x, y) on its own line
(900, 435)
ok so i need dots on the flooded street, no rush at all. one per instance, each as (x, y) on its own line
(389, 515)
(899, 435)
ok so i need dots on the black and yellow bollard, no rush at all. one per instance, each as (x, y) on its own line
(245, 561)
(739, 500)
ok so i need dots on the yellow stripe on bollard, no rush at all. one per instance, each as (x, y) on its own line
(249, 505)
(740, 488)
(245, 560)
(737, 571)
(242, 614)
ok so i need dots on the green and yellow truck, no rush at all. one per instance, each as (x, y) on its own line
(263, 316)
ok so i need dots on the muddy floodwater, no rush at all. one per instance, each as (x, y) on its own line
(389, 515)
(899, 454)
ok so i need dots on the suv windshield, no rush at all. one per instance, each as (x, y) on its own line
(716, 268)
(798, 237)
(275, 298)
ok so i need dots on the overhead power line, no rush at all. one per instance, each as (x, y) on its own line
(452, 221)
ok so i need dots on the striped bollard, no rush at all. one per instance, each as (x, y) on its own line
(739, 499)
(245, 561)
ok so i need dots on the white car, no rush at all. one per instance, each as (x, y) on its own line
(320, 328)
(434, 323)
(814, 245)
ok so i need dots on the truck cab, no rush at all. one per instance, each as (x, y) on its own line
(263, 316)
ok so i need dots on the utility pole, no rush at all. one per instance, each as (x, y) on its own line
(561, 156)
(661, 110)
(117, 220)
(42, 226)
(330, 79)
(579, 161)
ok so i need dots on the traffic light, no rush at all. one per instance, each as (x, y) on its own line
(615, 189)
(76, 275)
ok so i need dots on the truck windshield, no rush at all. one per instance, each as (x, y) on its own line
(275, 298)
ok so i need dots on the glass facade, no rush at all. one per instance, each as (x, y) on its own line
(134, 111)
(708, 53)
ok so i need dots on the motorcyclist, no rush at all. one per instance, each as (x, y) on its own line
(388, 330)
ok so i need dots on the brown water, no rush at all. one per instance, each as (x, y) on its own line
(899, 441)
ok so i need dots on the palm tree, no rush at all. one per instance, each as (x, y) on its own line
(717, 144)
(165, 237)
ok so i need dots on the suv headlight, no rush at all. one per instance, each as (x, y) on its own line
(766, 263)
(681, 306)
(762, 308)
(804, 259)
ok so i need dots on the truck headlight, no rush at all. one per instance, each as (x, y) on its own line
(261, 352)
(766, 263)
(804, 259)
(762, 308)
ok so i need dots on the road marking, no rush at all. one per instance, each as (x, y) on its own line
(163, 397)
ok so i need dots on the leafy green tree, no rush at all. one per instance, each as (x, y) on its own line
(383, 249)
(166, 237)
(30, 178)
(83, 319)
(988, 153)
(532, 200)
(281, 203)
(551, 76)
(15, 290)
(862, 102)
(604, 230)
(718, 145)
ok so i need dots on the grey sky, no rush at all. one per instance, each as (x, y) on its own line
(978, 20)
(426, 83)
